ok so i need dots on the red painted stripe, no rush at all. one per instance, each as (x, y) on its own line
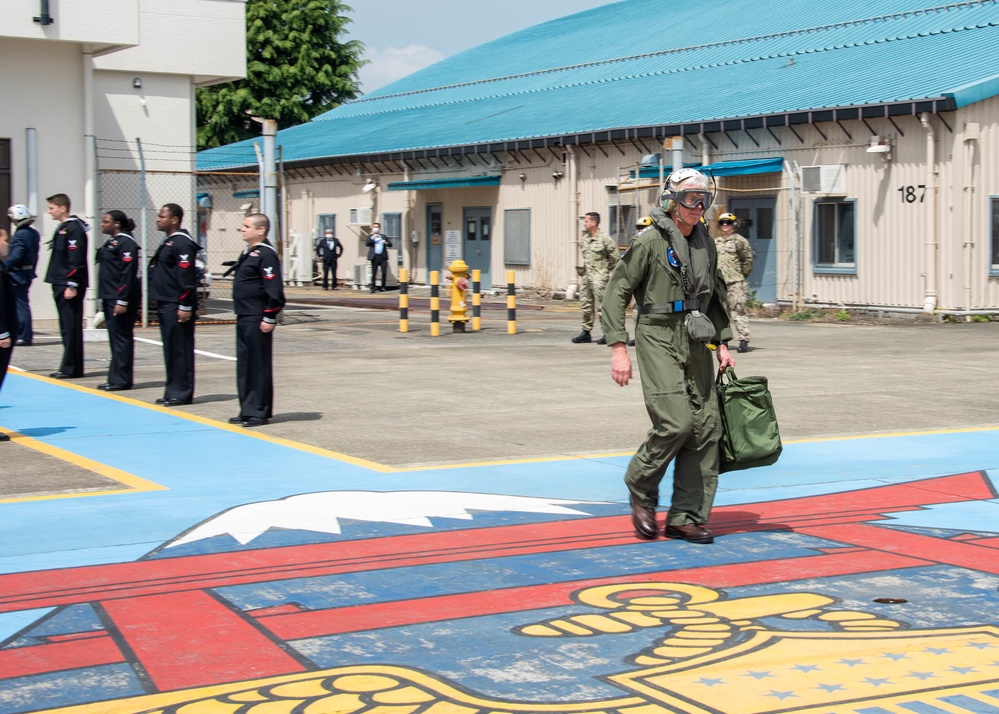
(192, 640)
(947, 552)
(46, 588)
(74, 654)
(361, 618)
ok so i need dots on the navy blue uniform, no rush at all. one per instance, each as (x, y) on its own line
(8, 321)
(173, 285)
(20, 263)
(257, 296)
(118, 284)
(68, 269)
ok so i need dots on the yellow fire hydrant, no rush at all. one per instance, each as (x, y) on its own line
(459, 284)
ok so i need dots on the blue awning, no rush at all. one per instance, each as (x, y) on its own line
(455, 182)
(727, 168)
(249, 193)
(744, 167)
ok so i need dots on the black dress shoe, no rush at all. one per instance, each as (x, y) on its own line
(4, 437)
(103, 385)
(644, 519)
(690, 532)
(236, 419)
(61, 375)
(116, 388)
(582, 337)
(23, 343)
(254, 421)
(161, 400)
(173, 402)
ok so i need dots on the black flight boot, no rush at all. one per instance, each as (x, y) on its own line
(583, 336)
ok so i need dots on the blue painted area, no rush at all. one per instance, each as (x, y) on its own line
(493, 574)
(196, 464)
(60, 689)
(71, 620)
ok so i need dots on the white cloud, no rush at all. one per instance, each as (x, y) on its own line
(322, 512)
(386, 66)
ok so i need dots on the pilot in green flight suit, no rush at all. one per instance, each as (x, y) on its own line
(671, 269)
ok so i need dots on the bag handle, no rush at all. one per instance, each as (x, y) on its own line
(729, 373)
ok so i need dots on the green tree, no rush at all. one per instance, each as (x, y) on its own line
(296, 68)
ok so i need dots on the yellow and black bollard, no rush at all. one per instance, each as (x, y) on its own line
(403, 300)
(511, 305)
(476, 300)
(459, 284)
(435, 304)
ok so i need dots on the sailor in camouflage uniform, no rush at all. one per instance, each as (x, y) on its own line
(671, 270)
(735, 260)
(600, 255)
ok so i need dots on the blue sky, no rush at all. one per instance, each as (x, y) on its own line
(402, 36)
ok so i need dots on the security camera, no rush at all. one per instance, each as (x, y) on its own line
(557, 175)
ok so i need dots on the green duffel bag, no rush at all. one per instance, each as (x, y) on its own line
(750, 436)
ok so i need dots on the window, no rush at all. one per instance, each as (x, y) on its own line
(835, 231)
(324, 222)
(620, 219)
(392, 229)
(517, 236)
(994, 201)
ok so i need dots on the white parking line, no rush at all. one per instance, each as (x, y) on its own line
(197, 352)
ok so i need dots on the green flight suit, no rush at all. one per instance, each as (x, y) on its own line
(677, 372)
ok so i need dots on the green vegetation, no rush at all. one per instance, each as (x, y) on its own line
(843, 316)
(296, 68)
(805, 314)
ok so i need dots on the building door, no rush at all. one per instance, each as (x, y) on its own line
(477, 242)
(756, 223)
(5, 197)
(435, 238)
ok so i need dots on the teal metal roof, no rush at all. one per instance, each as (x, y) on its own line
(646, 63)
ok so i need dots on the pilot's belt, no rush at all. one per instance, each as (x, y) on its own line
(671, 307)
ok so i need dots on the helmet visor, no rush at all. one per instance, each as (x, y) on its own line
(695, 197)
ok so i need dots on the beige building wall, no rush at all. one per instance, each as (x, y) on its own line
(912, 242)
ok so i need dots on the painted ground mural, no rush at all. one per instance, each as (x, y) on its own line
(855, 575)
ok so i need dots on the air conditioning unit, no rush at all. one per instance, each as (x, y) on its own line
(360, 217)
(828, 178)
(362, 274)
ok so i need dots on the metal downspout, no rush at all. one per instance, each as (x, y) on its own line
(705, 153)
(971, 133)
(795, 290)
(90, 180)
(931, 298)
(572, 170)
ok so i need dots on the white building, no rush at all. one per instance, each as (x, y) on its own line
(74, 73)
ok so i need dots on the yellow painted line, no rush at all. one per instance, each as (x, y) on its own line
(386, 469)
(894, 435)
(131, 481)
(215, 424)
